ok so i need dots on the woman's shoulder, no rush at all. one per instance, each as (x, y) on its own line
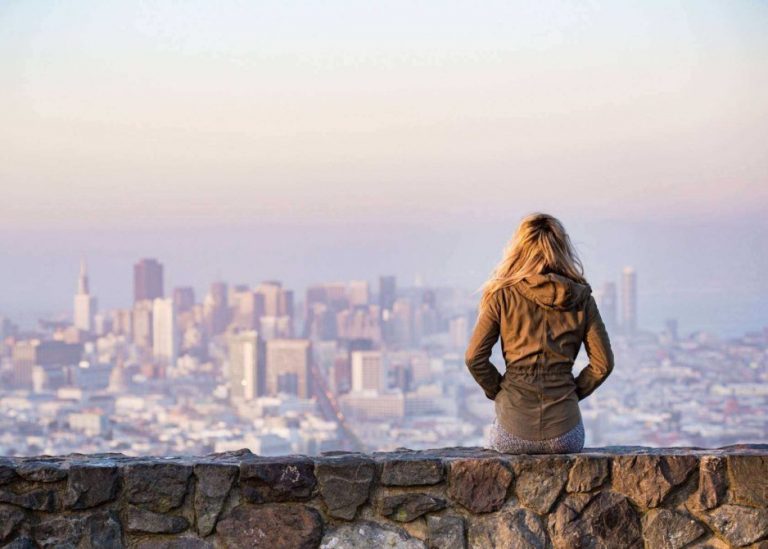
(505, 295)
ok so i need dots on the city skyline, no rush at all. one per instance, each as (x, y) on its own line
(28, 319)
(252, 143)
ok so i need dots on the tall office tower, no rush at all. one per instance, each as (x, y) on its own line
(142, 324)
(52, 357)
(147, 280)
(248, 308)
(361, 322)
(216, 306)
(336, 296)
(247, 361)
(276, 327)
(288, 363)
(184, 298)
(629, 301)
(458, 328)
(315, 294)
(122, 322)
(165, 340)
(368, 371)
(387, 292)
(358, 292)
(608, 306)
(402, 322)
(285, 305)
(85, 303)
(320, 323)
(270, 291)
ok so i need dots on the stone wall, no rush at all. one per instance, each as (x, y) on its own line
(453, 497)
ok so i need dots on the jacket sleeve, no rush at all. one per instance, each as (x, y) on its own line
(598, 348)
(478, 353)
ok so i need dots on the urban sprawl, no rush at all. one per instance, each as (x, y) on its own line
(351, 367)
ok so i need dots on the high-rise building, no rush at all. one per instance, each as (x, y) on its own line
(247, 362)
(288, 363)
(368, 371)
(387, 292)
(85, 303)
(629, 301)
(141, 321)
(51, 356)
(402, 322)
(248, 308)
(286, 303)
(608, 306)
(165, 340)
(360, 322)
(358, 292)
(147, 280)
(184, 298)
(458, 328)
(217, 312)
(276, 327)
(270, 292)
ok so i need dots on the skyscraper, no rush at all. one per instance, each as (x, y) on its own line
(387, 292)
(85, 303)
(288, 362)
(270, 291)
(147, 280)
(184, 298)
(164, 338)
(246, 365)
(629, 301)
(217, 308)
(358, 292)
(368, 373)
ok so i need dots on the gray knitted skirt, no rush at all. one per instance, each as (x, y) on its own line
(505, 442)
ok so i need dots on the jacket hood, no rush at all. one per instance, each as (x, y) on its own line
(554, 291)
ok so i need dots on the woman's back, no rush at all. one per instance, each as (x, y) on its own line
(542, 321)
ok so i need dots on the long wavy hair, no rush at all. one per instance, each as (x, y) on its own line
(540, 245)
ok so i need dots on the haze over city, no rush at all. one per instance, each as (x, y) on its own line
(340, 141)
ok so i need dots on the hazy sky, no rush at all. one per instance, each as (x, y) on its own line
(311, 140)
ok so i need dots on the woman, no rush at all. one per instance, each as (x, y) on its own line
(538, 301)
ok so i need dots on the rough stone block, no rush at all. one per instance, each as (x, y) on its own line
(712, 482)
(142, 520)
(368, 534)
(409, 506)
(214, 482)
(287, 478)
(412, 471)
(345, 483)
(270, 526)
(445, 531)
(749, 479)
(739, 525)
(587, 473)
(539, 482)
(667, 529)
(89, 486)
(480, 485)
(508, 528)
(156, 485)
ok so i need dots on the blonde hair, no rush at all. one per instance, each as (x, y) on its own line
(540, 245)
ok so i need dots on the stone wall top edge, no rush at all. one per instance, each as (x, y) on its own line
(451, 453)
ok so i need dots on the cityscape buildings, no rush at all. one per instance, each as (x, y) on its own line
(343, 368)
(85, 303)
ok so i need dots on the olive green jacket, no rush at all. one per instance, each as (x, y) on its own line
(542, 322)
